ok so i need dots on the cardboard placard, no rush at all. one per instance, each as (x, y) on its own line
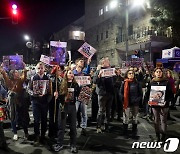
(58, 51)
(108, 72)
(157, 96)
(85, 95)
(83, 80)
(40, 87)
(86, 50)
(13, 62)
(47, 60)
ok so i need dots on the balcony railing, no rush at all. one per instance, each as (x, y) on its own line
(143, 34)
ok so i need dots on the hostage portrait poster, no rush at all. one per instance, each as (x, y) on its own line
(58, 51)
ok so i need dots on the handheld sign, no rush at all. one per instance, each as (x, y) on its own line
(157, 96)
(85, 95)
(13, 62)
(40, 87)
(47, 60)
(108, 72)
(58, 51)
(87, 50)
(83, 80)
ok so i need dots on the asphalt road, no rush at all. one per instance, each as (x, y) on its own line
(106, 143)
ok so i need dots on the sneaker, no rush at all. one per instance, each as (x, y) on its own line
(15, 137)
(74, 149)
(99, 130)
(57, 147)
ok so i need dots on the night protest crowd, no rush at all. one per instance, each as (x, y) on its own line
(121, 97)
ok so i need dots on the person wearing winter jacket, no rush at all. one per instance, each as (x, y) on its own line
(160, 112)
(131, 95)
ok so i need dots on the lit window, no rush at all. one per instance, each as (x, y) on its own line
(100, 12)
(106, 8)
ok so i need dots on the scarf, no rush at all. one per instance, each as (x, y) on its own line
(126, 92)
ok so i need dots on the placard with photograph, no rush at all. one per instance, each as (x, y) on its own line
(85, 95)
(157, 96)
(86, 50)
(40, 87)
(13, 62)
(58, 51)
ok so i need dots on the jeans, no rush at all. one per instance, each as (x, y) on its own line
(40, 110)
(126, 114)
(83, 109)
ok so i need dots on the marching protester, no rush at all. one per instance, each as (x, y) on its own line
(56, 78)
(131, 95)
(40, 87)
(160, 112)
(81, 107)
(3, 101)
(105, 90)
(18, 107)
(69, 91)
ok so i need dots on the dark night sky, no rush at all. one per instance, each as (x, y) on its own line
(38, 18)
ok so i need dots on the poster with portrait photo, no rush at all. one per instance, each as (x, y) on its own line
(40, 87)
(58, 51)
(13, 62)
(157, 96)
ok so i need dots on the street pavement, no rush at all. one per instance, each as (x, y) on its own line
(111, 142)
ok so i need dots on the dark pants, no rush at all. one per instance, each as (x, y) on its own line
(95, 106)
(160, 119)
(53, 125)
(40, 110)
(116, 106)
(18, 112)
(70, 111)
(2, 137)
(104, 109)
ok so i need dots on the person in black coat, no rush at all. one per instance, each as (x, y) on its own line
(131, 95)
(160, 111)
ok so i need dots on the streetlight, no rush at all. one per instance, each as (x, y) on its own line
(114, 4)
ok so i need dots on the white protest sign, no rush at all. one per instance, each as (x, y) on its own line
(83, 80)
(108, 72)
(87, 50)
(45, 59)
(58, 44)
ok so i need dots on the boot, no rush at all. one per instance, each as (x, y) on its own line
(125, 130)
(157, 137)
(134, 131)
(163, 137)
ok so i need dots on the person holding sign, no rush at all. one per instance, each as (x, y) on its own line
(39, 88)
(18, 107)
(131, 94)
(81, 106)
(159, 95)
(69, 91)
(105, 91)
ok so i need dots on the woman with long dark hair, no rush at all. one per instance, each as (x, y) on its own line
(69, 91)
(131, 94)
(160, 112)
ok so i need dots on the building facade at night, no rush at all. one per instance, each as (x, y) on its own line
(105, 24)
